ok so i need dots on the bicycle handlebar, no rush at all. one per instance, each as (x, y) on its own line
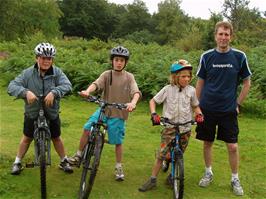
(165, 121)
(103, 103)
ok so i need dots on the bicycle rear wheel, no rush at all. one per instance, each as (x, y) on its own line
(42, 159)
(90, 166)
(178, 179)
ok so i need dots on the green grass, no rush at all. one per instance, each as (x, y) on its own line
(139, 155)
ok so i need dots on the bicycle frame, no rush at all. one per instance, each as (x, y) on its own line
(42, 146)
(175, 151)
(41, 132)
(93, 149)
(177, 162)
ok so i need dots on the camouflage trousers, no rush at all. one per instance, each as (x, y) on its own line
(167, 135)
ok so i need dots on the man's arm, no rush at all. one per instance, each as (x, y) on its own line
(199, 86)
(244, 91)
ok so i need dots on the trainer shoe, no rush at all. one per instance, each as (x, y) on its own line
(16, 168)
(206, 179)
(237, 188)
(150, 184)
(65, 166)
(119, 174)
(74, 160)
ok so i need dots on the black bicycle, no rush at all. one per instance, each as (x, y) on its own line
(176, 158)
(93, 149)
(42, 146)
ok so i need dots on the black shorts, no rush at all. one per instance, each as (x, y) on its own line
(227, 124)
(54, 126)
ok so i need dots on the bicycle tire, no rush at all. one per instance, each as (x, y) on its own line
(90, 167)
(42, 159)
(178, 179)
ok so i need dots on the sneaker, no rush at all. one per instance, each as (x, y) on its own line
(74, 160)
(237, 188)
(206, 180)
(119, 174)
(16, 168)
(150, 184)
(65, 166)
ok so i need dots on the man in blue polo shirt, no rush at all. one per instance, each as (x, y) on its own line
(220, 72)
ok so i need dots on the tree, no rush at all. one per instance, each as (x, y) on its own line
(249, 26)
(135, 18)
(208, 31)
(19, 19)
(171, 21)
(86, 18)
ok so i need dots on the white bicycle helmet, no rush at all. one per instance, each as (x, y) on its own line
(119, 51)
(45, 50)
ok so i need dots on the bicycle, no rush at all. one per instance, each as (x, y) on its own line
(176, 158)
(42, 146)
(93, 149)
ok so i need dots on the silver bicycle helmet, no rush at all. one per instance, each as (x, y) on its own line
(119, 51)
(45, 50)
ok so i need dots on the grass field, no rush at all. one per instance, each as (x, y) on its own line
(139, 154)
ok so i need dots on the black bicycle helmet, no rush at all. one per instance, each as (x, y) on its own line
(119, 51)
(45, 50)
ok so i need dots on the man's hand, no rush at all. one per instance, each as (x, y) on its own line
(49, 99)
(31, 98)
(155, 118)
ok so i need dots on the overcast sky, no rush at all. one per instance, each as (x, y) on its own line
(195, 8)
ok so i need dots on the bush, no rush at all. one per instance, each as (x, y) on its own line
(83, 61)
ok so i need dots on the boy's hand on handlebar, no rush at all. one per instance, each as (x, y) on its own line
(84, 93)
(31, 97)
(49, 99)
(130, 106)
(155, 118)
(199, 118)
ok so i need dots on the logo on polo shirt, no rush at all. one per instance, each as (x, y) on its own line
(222, 66)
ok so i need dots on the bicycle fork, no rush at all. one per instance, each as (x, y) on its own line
(175, 153)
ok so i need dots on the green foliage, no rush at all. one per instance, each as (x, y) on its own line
(86, 18)
(143, 37)
(21, 19)
(170, 21)
(83, 61)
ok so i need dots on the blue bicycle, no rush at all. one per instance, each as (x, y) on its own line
(176, 160)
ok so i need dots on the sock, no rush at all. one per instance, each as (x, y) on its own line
(62, 159)
(234, 176)
(79, 153)
(17, 160)
(118, 165)
(208, 170)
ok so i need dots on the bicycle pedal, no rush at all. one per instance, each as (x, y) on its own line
(30, 165)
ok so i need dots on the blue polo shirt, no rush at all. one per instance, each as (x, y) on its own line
(222, 73)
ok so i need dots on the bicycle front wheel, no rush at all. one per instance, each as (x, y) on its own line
(178, 179)
(42, 159)
(90, 166)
